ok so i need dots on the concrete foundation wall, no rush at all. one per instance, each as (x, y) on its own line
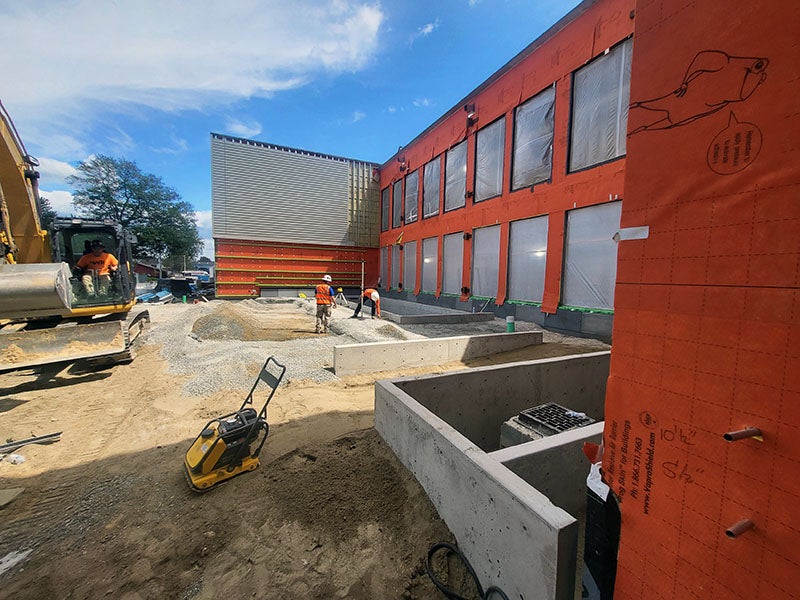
(513, 511)
(389, 356)
(476, 402)
(513, 536)
(555, 465)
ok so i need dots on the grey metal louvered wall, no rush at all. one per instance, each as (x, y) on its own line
(264, 192)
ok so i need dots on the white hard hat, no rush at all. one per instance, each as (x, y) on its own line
(375, 297)
(326, 278)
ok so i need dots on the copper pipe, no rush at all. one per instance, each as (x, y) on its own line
(741, 434)
(739, 528)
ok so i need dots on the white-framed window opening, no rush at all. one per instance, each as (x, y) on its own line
(485, 261)
(412, 196)
(410, 266)
(455, 177)
(397, 204)
(430, 188)
(527, 259)
(490, 148)
(385, 209)
(452, 262)
(532, 160)
(430, 256)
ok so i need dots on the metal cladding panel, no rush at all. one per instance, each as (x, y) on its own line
(275, 194)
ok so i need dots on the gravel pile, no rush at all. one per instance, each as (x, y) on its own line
(216, 357)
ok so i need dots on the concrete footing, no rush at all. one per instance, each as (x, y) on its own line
(514, 511)
(389, 356)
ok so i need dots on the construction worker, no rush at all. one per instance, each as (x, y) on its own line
(99, 264)
(325, 302)
(369, 295)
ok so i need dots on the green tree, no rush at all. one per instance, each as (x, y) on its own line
(46, 213)
(117, 189)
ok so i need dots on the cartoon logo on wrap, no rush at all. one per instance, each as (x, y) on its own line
(734, 148)
(713, 80)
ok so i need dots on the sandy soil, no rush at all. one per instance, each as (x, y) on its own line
(106, 512)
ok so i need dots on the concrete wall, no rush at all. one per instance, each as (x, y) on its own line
(513, 534)
(477, 401)
(389, 356)
(555, 465)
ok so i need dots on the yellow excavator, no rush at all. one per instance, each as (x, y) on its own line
(47, 313)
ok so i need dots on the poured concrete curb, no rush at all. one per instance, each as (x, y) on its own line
(447, 319)
(389, 356)
(514, 511)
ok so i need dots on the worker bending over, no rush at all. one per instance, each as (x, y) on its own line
(370, 295)
(325, 302)
(98, 263)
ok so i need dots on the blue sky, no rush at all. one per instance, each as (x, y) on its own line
(149, 81)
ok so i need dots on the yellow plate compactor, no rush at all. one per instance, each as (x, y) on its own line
(223, 448)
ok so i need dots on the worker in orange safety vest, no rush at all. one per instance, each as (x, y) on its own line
(325, 302)
(369, 295)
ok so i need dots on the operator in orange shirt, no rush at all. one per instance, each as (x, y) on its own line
(325, 302)
(100, 264)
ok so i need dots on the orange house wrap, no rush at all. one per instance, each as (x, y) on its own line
(707, 306)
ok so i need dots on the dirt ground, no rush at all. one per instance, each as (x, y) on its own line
(106, 512)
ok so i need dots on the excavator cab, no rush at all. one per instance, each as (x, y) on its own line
(72, 239)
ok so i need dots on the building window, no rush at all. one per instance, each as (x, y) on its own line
(600, 97)
(527, 257)
(397, 204)
(533, 140)
(430, 255)
(384, 267)
(489, 151)
(455, 177)
(485, 261)
(430, 188)
(385, 209)
(410, 266)
(590, 256)
(452, 263)
(396, 274)
(412, 196)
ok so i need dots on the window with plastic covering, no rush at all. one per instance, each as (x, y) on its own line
(527, 258)
(410, 266)
(600, 97)
(412, 196)
(485, 261)
(384, 268)
(430, 188)
(430, 254)
(396, 274)
(489, 151)
(385, 209)
(397, 204)
(452, 263)
(455, 177)
(590, 256)
(532, 158)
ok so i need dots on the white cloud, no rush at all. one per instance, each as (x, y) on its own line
(179, 146)
(208, 248)
(424, 31)
(242, 129)
(60, 201)
(173, 55)
(422, 102)
(358, 115)
(55, 172)
(203, 219)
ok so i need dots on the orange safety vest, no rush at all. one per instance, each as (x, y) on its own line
(324, 294)
(368, 292)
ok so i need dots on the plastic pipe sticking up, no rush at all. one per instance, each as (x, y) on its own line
(739, 528)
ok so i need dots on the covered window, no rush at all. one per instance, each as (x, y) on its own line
(455, 178)
(452, 262)
(533, 140)
(397, 204)
(385, 209)
(396, 274)
(430, 188)
(412, 196)
(430, 254)
(489, 160)
(527, 256)
(410, 266)
(485, 261)
(384, 267)
(590, 256)
(601, 92)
